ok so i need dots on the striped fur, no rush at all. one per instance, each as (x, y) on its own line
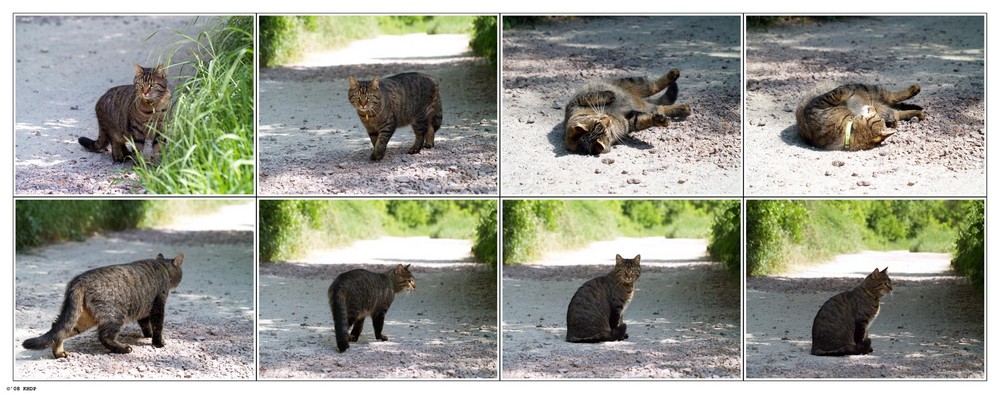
(602, 113)
(874, 111)
(385, 104)
(596, 310)
(841, 325)
(110, 297)
(359, 293)
(132, 112)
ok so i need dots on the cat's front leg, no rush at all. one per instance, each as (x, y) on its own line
(910, 114)
(147, 330)
(903, 95)
(156, 315)
(378, 151)
(107, 332)
(377, 321)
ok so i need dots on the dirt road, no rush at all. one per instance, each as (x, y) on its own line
(544, 64)
(63, 65)
(683, 321)
(209, 326)
(944, 155)
(445, 328)
(931, 326)
(312, 142)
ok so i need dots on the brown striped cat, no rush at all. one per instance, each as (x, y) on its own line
(358, 293)
(385, 104)
(841, 325)
(132, 112)
(602, 113)
(596, 310)
(854, 116)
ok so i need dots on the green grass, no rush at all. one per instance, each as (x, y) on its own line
(286, 39)
(41, 222)
(210, 133)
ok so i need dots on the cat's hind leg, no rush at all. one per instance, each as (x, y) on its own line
(420, 135)
(642, 120)
(356, 331)
(107, 332)
(675, 110)
(903, 95)
(378, 150)
(377, 321)
(643, 87)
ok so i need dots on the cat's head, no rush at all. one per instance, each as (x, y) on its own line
(402, 279)
(878, 283)
(588, 133)
(871, 125)
(626, 270)
(364, 96)
(151, 83)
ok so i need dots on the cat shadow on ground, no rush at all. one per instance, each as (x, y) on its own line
(790, 136)
(557, 139)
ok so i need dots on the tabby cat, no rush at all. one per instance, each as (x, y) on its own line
(602, 113)
(358, 293)
(110, 297)
(841, 326)
(596, 310)
(135, 112)
(385, 104)
(854, 116)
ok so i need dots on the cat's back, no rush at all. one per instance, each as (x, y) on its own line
(410, 84)
(624, 101)
(130, 287)
(361, 286)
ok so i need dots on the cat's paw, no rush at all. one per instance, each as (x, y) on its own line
(352, 338)
(122, 349)
(158, 342)
(62, 354)
(674, 74)
(376, 156)
(383, 337)
(414, 150)
(661, 120)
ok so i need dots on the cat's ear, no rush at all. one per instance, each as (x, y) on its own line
(618, 259)
(179, 259)
(374, 83)
(159, 256)
(883, 271)
(159, 71)
(352, 81)
(636, 259)
(138, 69)
(407, 268)
(876, 272)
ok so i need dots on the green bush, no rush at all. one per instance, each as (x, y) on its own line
(210, 132)
(484, 38)
(969, 259)
(770, 224)
(484, 246)
(724, 244)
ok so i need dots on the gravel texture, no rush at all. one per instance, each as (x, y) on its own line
(683, 321)
(444, 328)
(544, 64)
(63, 65)
(209, 325)
(311, 140)
(944, 155)
(931, 326)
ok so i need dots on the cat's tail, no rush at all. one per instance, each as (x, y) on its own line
(95, 146)
(338, 306)
(63, 326)
(670, 96)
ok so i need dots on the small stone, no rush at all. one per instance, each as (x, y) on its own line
(607, 160)
(838, 163)
(864, 183)
(681, 181)
(911, 183)
(634, 181)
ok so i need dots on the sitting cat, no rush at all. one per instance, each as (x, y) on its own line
(602, 113)
(132, 112)
(854, 116)
(841, 325)
(359, 293)
(389, 103)
(110, 297)
(596, 310)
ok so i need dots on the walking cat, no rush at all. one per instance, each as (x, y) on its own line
(854, 116)
(110, 297)
(841, 325)
(602, 113)
(358, 293)
(389, 103)
(135, 112)
(596, 310)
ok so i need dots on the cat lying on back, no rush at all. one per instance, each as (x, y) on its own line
(841, 325)
(358, 293)
(385, 104)
(596, 310)
(132, 112)
(110, 297)
(602, 113)
(854, 116)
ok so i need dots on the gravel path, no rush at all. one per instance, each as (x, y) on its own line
(931, 326)
(209, 325)
(684, 319)
(63, 65)
(311, 140)
(445, 328)
(544, 64)
(944, 155)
